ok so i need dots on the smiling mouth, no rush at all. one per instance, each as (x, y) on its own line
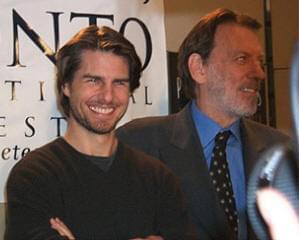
(101, 110)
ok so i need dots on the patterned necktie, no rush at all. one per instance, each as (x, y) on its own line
(219, 173)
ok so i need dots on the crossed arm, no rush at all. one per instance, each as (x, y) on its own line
(63, 230)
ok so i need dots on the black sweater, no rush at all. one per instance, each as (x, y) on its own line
(137, 197)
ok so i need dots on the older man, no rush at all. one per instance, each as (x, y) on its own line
(210, 144)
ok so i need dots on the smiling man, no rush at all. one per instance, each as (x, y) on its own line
(88, 184)
(220, 64)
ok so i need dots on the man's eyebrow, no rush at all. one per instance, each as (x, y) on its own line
(88, 75)
(122, 79)
(98, 77)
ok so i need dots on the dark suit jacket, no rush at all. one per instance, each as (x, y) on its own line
(174, 140)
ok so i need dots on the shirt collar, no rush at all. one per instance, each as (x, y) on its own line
(207, 128)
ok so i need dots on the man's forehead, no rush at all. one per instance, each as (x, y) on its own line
(237, 36)
(234, 30)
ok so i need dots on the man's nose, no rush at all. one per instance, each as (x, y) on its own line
(107, 92)
(259, 71)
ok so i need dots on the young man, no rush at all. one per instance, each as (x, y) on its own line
(220, 64)
(88, 184)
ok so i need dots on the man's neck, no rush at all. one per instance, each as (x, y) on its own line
(217, 115)
(90, 143)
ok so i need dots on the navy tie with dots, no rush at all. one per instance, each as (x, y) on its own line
(219, 173)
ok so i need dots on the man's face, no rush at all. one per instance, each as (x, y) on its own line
(99, 93)
(234, 72)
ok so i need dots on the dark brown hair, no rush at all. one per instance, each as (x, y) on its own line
(68, 58)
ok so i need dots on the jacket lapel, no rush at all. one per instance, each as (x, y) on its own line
(185, 156)
(253, 146)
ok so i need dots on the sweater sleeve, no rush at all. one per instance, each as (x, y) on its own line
(30, 205)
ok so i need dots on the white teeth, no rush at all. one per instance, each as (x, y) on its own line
(251, 90)
(103, 110)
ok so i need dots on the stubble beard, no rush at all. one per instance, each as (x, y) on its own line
(228, 104)
(100, 128)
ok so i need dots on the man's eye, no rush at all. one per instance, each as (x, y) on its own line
(241, 59)
(91, 80)
(121, 82)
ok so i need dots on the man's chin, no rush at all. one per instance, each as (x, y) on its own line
(248, 113)
(245, 111)
(104, 130)
(100, 129)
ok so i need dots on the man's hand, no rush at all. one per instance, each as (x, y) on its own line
(279, 214)
(152, 237)
(61, 228)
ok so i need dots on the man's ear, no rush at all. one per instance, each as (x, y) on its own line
(197, 68)
(66, 89)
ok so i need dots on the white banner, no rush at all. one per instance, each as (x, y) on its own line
(30, 34)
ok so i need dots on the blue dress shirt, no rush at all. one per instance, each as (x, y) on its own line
(207, 130)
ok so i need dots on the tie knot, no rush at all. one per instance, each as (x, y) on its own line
(222, 137)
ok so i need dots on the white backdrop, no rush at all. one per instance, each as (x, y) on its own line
(32, 30)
